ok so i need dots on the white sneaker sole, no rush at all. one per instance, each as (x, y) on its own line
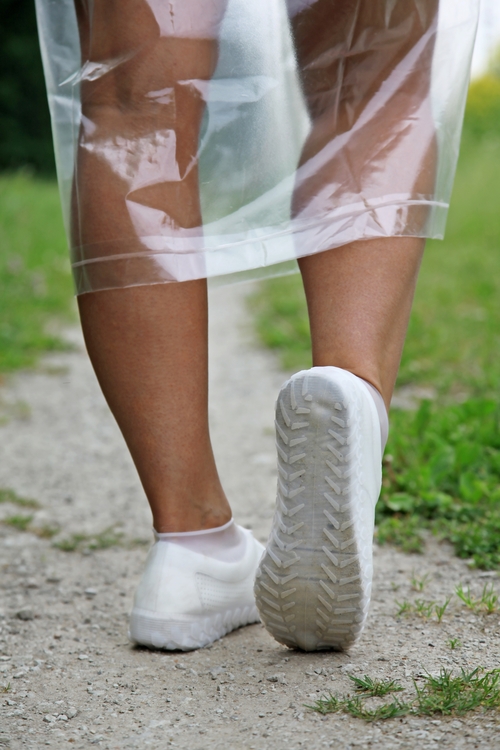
(313, 584)
(188, 633)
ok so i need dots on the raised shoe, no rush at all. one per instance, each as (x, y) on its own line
(314, 581)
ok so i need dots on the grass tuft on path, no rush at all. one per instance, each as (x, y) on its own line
(444, 694)
(35, 280)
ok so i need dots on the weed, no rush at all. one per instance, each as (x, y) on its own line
(375, 688)
(71, 544)
(45, 532)
(440, 609)
(465, 596)
(423, 608)
(103, 540)
(454, 643)
(20, 523)
(328, 705)
(445, 694)
(487, 602)
(9, 496)
(418, 584)
(5, 688)
(356, 708)
(489, 599)
(405, 607)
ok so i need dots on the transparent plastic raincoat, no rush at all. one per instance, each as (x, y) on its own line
(221, 138)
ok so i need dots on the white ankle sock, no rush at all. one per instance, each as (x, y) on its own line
(381, 410)
(226, 543)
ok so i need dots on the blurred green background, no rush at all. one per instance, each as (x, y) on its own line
(442, 464)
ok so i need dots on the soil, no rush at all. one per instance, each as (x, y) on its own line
(67, 669)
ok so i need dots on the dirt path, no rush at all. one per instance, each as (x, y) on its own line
(73, 675)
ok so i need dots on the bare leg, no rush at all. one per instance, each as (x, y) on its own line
(359, 296)
(148, 345)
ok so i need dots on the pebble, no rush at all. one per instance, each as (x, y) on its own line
(90, 592)
(215, 672)
(26, 613)
(53, 578)
(71, 712)
(82, 657)
(49, 718)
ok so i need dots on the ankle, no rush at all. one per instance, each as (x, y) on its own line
(190, 517)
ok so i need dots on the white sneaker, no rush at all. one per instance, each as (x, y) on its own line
(186, 600)
(313, 584)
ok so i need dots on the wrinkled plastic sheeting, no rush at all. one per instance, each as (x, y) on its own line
(309, 132)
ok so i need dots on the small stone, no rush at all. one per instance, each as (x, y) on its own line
(272, 677)
(90, 592)
(82, 657)
(261, 716)
(26, 613)
(53, 578)
(215, 672)
(71, 712)
(180, 666)
(49, 718)
(62, 717)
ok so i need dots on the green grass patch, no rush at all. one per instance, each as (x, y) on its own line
(9, 496)
(442, 472)
(444, 695)
(21, 523)
(35, 280)
(91, 542)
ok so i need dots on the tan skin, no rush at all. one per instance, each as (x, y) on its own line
(148, 344)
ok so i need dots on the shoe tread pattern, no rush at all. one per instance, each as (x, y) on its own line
(312, 587)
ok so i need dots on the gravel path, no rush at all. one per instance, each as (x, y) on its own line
(73, 675)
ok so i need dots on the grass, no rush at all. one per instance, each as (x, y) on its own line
(103, 540)
(487, 602)
(21, 523)
(418, 583)
(484, 604)
(423, 608)
(35, 281)
(9, 496)
(442, 463)
(445, 694)
(375, 688)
